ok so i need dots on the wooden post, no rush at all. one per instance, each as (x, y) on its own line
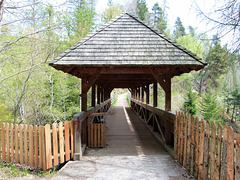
(147, 94)
(168, 94)
(84, 94)
(155, 94)
(77, 140)
(102, 94)
(98, 93)
(142, 94)
(93, 95)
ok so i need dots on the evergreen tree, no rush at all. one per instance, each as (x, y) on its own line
(209, 106)
(142, 9)
(159, 18)
(189, 103)
(179, 29)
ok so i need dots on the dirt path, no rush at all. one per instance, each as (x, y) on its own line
(131, 152)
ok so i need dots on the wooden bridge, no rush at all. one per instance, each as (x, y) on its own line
(126, 53)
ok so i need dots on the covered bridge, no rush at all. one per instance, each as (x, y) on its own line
(126, 53)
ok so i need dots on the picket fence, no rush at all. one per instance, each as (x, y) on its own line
(38, 146)
(206, 151)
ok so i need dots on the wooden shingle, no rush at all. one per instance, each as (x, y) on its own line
(126, 41)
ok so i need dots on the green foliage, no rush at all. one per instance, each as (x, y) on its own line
(111, 12)
(159, 17)
(4, 113)
(179, 29)
(190, 102)
(208, 106)
(142, 9)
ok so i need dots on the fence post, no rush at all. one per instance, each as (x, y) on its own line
(77, 140)
(42, 148)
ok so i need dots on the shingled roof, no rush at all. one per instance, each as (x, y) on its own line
(127, 41)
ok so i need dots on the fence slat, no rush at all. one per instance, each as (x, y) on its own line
(176, 135)
(3, 142)
(12, 144)
(224, 154)
(95, 135)
(192, 152)
(16, 144)
(21, 143)
(201, 148)
(179, 137)
(219, 150)
(182, 138)
(8, 142)
(230, 154)
(43, 164)
(25, 145)
(36, 145)
(104, 134)
(48, 146)
(206, 151)
(185, 141)
(67, 151)
(61, 148)
(212, 151)
(55, 144)
(91, 129)
(72, 139)
(189, 142)
(237, 163)
(99, 135)
(196, 148)
(31, 146)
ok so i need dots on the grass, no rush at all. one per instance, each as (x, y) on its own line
(114, 103)
(8, 170)
(128, 101)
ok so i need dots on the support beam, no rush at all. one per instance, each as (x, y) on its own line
(155, 94)
(142, 94)
(168, 94)
(98, 93)
(147, 94)
(84, 94)
(93, 95)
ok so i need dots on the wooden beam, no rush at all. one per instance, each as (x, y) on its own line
(93, 95)
(84, 95)
(142, 94)
(98, 93)
(155, 94)
(168, 94)
(147, 93)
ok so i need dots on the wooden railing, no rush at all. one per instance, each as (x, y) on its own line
(160, 122)
(206, 151)
(38, 146)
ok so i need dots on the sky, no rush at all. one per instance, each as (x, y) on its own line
(185, 9)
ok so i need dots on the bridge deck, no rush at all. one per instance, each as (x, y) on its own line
(131, 152)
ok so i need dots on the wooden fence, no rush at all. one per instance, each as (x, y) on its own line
(38, 146)
(206, 151)
(96, 130)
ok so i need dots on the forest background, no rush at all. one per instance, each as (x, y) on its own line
(33, 32)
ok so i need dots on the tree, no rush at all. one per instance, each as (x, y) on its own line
(189, 103)
(225, 20)
(159, 18)
(142, 9)
(208, 106)
(111, 12)
(179, 29)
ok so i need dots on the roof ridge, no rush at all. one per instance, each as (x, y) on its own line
(174, 43)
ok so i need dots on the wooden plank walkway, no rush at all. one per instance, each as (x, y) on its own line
(131, 152)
